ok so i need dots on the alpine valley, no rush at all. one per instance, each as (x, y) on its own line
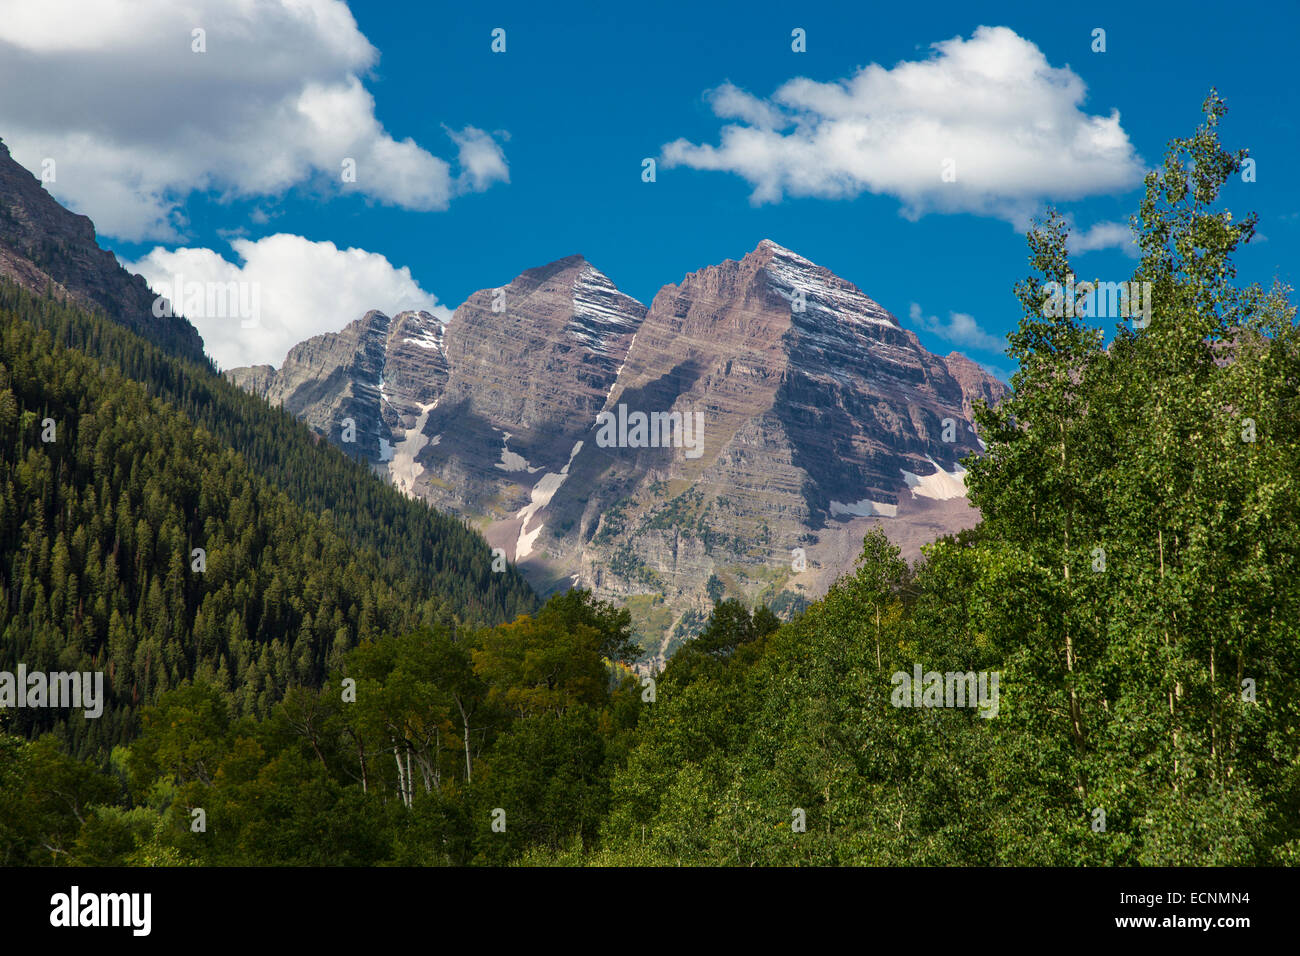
(320, 615)
(821, 417)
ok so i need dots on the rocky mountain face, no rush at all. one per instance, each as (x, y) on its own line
(355, 386)
(45, 246)
(738, 437)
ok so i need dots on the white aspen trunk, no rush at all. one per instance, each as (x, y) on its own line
(469, 774)
(401, 781)
(877, 637)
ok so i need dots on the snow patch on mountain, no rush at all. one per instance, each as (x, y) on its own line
(512, 460)
(600, 311)
(427, 329)
(791, 274)
(865, 508)
(541, 496)
(402, 466)
(940, 486)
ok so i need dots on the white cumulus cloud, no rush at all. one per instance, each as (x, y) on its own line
(136, 120)
(1011, 124)
(960, 329)
(299, 288)
(1104, 235)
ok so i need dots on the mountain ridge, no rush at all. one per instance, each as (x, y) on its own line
(44, 246)
(822, 417)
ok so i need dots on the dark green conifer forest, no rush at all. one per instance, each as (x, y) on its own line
(348, 683)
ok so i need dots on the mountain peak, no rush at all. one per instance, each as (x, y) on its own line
(814, 288)
(602, 315)
(540, 274)
(815, 414)
(770, 245)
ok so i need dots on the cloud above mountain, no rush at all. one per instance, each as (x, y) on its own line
(960, 329)
(137, 119)
(985, 125)
(299, 288)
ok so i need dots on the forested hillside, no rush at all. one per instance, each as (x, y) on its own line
(107, 492)
(1131, 598)
(406, 538)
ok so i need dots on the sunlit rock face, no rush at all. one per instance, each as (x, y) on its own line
(815, 416)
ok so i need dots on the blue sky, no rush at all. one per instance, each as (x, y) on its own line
(585, 92)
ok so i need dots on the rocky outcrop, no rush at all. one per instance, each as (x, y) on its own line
(46, 247)
(974, 381)
(362, 386)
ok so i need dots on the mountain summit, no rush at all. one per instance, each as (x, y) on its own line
(809, 415)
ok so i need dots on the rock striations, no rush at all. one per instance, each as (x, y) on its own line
(817, 416)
